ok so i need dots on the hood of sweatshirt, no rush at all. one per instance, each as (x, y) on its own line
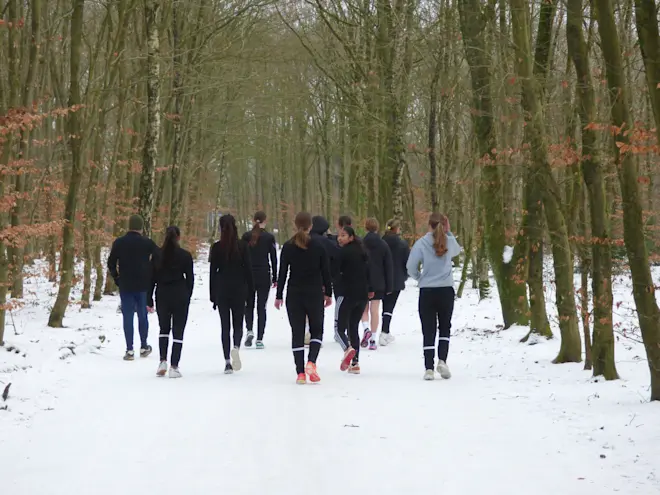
(319, 225)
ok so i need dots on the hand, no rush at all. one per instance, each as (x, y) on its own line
(150, 309)
(278, 303)
(371, 295)
(328, 301)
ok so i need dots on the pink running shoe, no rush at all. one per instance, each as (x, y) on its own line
(372, 345)
(349, 354)
(366, 338)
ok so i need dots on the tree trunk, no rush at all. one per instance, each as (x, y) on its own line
(433, 131)
(74, 129)
(177, 90)
(602, 349)
(150, 152)
(511, 286)
(633, 226)
(646, 16)
(571, 345)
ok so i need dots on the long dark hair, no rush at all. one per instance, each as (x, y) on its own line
(228, 235)
(258, 219)
(171, 242)
(303, 224)
(351, 233)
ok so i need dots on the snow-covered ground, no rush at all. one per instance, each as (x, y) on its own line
(80, 420)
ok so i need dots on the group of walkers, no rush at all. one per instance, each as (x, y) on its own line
(365, 275)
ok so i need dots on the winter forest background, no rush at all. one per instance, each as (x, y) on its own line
(533, 125)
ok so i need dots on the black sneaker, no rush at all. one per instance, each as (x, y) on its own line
(249, 339)
(228, 369)
(129, 356)
(145, 351)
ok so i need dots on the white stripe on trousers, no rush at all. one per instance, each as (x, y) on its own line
(338, 302)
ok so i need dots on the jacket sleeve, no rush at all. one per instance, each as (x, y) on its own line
(388, 265)
(152, 284)
(325, 272)
(247, 267)
(415, 258)
(273, 259)
(453, 248)
(190, 274)
(112, 261)
(405, 250)
(213, 258)
(284, 271)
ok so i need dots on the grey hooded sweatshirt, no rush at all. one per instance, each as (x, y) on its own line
(436, 270)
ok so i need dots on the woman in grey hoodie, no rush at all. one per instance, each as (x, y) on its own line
(433, 254)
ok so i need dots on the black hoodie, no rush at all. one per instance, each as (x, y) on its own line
(353, 265)
(380, 263)
(400, 252)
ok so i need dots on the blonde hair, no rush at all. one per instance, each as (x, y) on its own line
(439, 223)
(392, 225)
(303, 223)
(371, 224)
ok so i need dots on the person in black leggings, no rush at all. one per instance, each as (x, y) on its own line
(400, 252)
(173, 281)
(309, 290)
(262, 247)
(231, 282)
(353, 265)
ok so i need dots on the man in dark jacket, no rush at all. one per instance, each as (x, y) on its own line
(130, 265)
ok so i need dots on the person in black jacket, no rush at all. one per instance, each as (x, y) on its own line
(173, 280)
(340, 338)
(130, 265)
(354, 273)
(381, 276)
(231, 282)
(309, 290)
(262, 247)
(400, 252)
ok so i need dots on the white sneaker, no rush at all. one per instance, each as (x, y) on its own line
(175, 373)
(429, 375)
(385, 339)
(162, 368)
(235, 359)
(443, 369)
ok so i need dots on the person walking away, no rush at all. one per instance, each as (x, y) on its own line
(173, 281)
(341, 339)
(381, 276)
(319, 232)
(400, 252)
(434, 253)
(231, 282)
(354, 273)
(304, 261)
(262, 249)
(130, 265)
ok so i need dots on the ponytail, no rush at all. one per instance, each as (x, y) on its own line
(228, 235)
(258, 219)
(303, 223)
(171, 242)
(392, 226)
(438, 223)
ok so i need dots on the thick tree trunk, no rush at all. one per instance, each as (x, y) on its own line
(150, 153)
(511, 285)
(177, 90)
(646, 16)
(571, 345)
(602, 351)
(633, 226)
(74, 129)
